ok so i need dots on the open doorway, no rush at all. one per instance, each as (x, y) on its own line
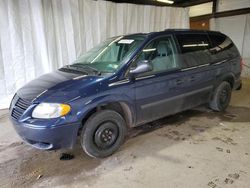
(200, 24)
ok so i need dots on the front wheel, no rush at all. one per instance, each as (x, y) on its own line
(103, 133)
(221, 98)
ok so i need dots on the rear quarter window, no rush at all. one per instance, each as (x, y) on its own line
(222, 46)
(217, 39)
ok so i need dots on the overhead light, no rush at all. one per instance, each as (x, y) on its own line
(166, 1)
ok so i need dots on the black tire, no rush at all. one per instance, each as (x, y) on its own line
(222, 97)
(103, 133)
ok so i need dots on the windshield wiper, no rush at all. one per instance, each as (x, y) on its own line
(80, 65)
(77, 69)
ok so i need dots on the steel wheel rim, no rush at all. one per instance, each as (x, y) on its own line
(106, 135)
(224, 96)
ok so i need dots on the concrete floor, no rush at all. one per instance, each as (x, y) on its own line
(194, 149)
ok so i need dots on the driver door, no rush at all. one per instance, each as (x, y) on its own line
(156, 91)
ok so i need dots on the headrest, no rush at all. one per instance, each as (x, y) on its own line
(162, 48)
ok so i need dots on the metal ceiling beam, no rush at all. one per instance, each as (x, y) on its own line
(214, 9)
(222, 14)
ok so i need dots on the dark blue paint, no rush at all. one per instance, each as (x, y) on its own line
(141, 96)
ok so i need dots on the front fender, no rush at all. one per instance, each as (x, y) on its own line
(84, 108)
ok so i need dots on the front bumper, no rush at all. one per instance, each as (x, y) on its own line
(48, 138)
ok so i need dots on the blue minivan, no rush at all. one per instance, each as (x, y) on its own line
(124, 82)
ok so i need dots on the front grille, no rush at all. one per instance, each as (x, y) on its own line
(16, 114)
(22, 104)
(18, 107)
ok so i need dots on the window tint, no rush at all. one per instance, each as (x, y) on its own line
(193, 42)
(222, 47)
(221, 41)
(217, 39)
(194, 49)
(161, 53)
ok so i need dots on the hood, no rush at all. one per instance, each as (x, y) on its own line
(60, 84)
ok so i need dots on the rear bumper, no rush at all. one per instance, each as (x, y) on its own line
(47, 138)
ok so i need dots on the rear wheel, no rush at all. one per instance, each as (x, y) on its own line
(221, 98)
(103, 133)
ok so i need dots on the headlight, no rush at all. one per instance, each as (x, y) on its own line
(50, 110)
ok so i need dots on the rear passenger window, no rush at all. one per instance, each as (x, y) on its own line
(194, 49)
(193, 42)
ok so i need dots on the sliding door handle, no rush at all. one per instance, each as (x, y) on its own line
(192, 78)
(179, 82)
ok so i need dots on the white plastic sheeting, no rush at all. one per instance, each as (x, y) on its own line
(238, 29)
(38, 36)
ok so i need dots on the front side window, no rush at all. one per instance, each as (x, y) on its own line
(109, 55)
(161, 54)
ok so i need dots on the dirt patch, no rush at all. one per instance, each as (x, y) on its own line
(9, 146)
(172, 135)
(225, 140)
(235, 114)
(31, 165)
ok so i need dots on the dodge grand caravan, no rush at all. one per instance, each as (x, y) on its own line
(124, 82)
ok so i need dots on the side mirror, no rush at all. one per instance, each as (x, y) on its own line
(142, 67)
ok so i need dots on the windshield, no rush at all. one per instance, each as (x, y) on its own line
(109, 55)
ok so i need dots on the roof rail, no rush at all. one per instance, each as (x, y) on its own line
(184, 30)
